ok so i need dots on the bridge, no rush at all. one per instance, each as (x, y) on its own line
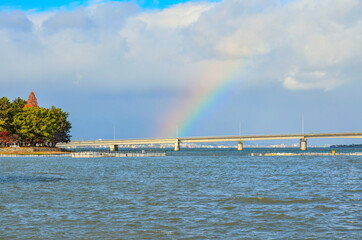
(238, 139)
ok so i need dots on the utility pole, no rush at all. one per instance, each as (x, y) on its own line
(240, 128)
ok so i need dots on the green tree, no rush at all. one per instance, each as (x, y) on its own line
(5, 108)
(30, 125)
(16, 106)
(58, 126)
(7, 112)
(41, 125)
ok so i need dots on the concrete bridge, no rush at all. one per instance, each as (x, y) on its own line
(239, 139)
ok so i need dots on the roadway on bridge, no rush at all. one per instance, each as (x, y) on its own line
(239, 139)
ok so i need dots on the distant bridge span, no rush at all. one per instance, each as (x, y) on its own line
(239, 139)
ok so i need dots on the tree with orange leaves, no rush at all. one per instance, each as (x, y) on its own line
(32, 102)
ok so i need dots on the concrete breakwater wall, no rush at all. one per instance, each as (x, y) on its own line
(309, 154)
(107, 154)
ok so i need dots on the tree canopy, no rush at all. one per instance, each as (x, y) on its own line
(24, 123)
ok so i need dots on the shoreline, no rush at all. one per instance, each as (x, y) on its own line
(33, 151)
(35, 155)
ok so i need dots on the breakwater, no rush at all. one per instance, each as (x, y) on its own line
(114, 154)
(310, 154)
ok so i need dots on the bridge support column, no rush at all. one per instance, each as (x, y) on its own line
(177, 145)
(303, 144)
(113, 148)
(240, 146)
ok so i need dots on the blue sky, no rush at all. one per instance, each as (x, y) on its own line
(46, 5)
(114, 64)
(42, 5)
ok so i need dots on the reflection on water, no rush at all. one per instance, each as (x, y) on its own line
(187, 195)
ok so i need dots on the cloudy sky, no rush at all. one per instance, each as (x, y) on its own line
(192, 68)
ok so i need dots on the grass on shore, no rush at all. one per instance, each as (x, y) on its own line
(34, 153)
(41, 151)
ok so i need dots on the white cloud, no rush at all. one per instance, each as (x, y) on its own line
(311, 80)
(118, 46)
(16, 21)
(180, 15)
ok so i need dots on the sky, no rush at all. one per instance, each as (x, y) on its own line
(66, 4)
(188, 68)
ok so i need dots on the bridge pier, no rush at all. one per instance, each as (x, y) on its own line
(303, 144)
(177, 145)
(240, 145)
(113, 148)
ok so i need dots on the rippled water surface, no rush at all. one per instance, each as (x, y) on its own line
(201, 196)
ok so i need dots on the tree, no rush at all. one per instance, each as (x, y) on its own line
(5, 108)
(25, 122)
(16, 106)
(5, 138)
(7, 112)
(32, 101)
(41, 125)
(58, 126)
(29, 125)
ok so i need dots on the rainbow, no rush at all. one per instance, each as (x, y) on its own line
(201, 100)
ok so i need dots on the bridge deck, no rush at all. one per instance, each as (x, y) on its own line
(209, 139)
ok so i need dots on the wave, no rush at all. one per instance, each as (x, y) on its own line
(353, 190)
(28, 179)
(267, 200)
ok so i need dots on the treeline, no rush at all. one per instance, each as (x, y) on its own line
(26, 124)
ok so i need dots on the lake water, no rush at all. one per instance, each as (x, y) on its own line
(189, 195)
